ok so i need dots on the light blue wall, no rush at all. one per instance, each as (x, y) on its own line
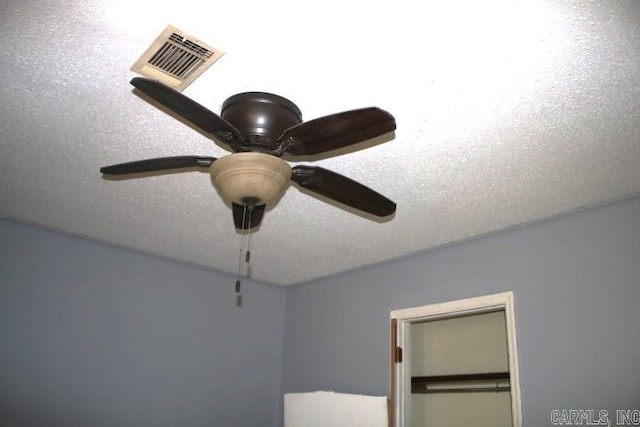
(577, 290)
(96, 335)
(92, 335)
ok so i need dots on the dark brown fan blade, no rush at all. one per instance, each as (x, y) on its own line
(245, 220)
(188, 109)
(159, 164)
(336, 131)
(342, 189)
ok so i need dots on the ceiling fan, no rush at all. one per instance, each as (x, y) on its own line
(259, 128)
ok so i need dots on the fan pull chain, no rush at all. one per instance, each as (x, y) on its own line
(245, 242)
(238, 281)
(247, 255)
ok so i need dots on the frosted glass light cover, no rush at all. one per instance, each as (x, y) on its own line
(250, 175)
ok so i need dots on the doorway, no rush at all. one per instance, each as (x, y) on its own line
(455, 364)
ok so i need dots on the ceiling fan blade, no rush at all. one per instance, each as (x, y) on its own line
(245, 220)
(336, 131)
(158, 164)
(342, 189)
(188, 109)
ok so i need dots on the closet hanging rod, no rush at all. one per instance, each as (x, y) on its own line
(447, 383)
(462, 390)
(487, 376)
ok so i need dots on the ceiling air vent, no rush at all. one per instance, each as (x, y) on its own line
(176, 59)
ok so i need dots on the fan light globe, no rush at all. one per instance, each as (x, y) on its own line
(249, 176)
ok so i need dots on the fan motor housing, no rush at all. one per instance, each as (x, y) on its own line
(260, 118)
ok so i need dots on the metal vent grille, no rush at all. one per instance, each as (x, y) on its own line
(176, 59)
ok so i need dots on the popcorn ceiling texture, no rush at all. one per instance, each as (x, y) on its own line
(507, 113)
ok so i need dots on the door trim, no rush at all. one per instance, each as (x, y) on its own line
(401, 319)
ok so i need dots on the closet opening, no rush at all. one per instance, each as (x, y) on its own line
(456, 363)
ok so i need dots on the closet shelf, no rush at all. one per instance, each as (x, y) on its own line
(461, 383)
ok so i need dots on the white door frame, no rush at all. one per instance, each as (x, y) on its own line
(401, 375)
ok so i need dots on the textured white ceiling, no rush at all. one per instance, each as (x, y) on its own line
(507, 112)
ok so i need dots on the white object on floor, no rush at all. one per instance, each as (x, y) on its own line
(330, 409)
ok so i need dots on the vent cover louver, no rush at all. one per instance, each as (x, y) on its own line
(176, 59)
